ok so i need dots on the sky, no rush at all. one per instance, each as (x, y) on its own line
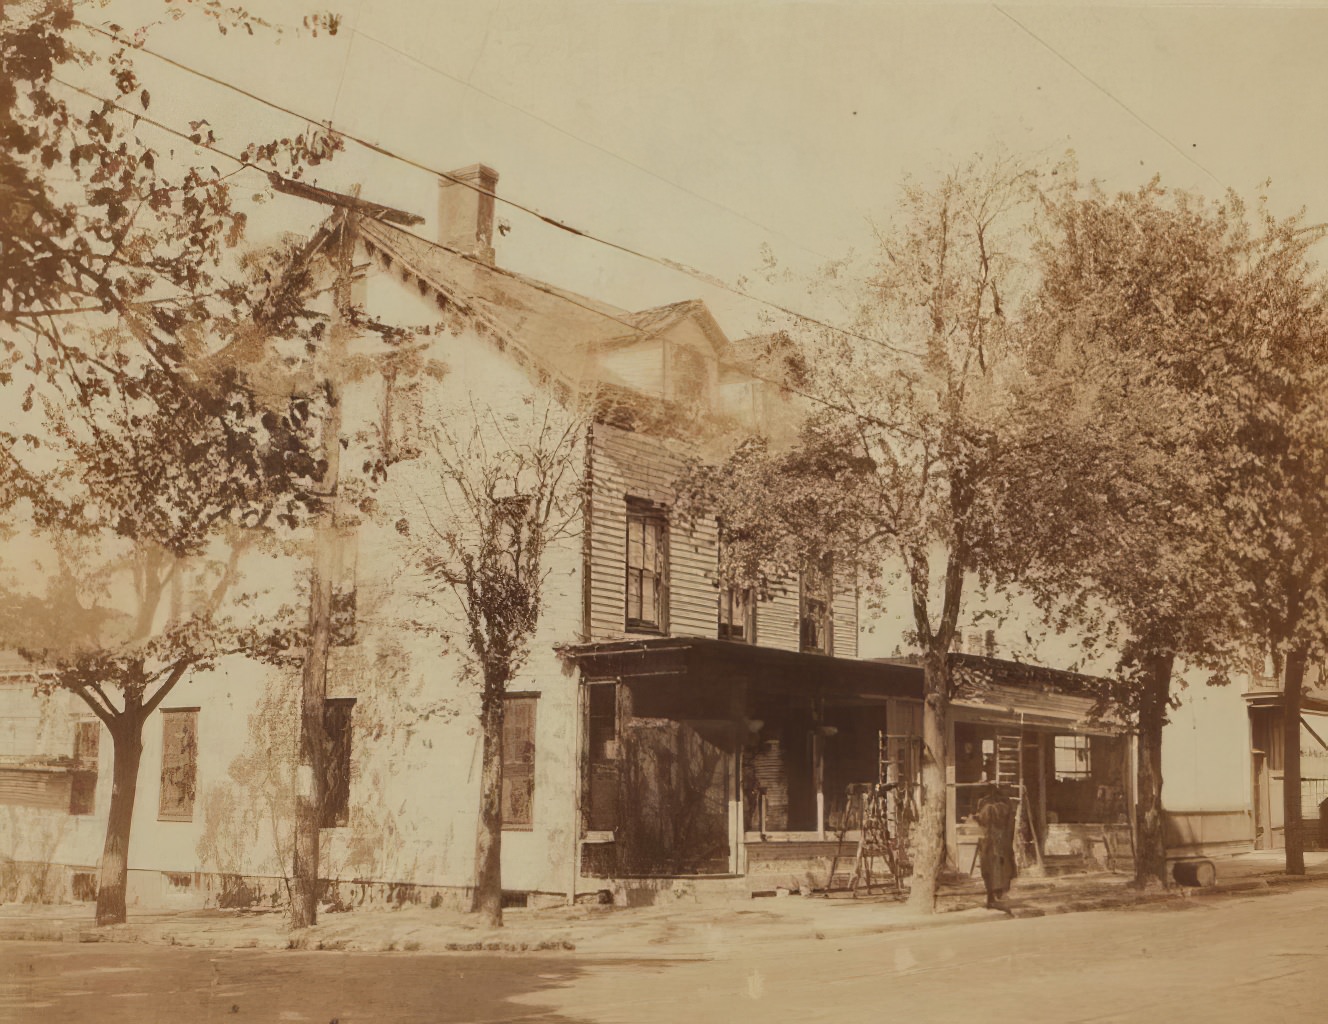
(699, 132)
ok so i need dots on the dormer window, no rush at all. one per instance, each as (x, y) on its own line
(688, 376)
(647, 567)
(814, 607)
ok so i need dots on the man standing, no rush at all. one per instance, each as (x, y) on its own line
(995, 814)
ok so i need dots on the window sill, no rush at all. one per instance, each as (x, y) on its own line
(646, 628)
(175, 817)
(518, 828)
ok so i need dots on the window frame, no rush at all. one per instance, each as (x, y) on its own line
(816, 571)
(190, 753)
(515, 767)
(649, 516)
(727, 603)
(1078, 742)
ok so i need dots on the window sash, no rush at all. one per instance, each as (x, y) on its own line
(1072, 757)
(647, 558)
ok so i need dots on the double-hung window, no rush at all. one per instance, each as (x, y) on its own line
(647, 567)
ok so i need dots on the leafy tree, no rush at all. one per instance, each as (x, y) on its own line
(1272, 487)
(140, 437)
(1128, 336)
(908, 464)
(487, 496)
(1188, 342)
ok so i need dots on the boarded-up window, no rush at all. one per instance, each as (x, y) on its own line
(647, 567)
(518, 761)
(179, 764)
(46, 788)
(336, 795)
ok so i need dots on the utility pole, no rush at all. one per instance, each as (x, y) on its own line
(311, 772)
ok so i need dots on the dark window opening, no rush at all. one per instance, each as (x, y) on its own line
(602, 741)
(179, 764)
(518, 797)
(83, 793)
(83, 780)
(737, 614)
(647, 567)
(337, 724)
(87, 742)
(814, 607)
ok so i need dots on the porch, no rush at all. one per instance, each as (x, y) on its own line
(709, 757)
(714, 758)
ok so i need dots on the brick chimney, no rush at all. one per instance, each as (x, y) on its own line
(465, 212)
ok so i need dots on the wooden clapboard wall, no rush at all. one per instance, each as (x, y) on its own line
(627, 465)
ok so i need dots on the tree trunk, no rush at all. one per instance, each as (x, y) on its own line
(311, 772)
(127, 744)
(929, 833)
(1292, 681)
(487, 898)
(1150, 850)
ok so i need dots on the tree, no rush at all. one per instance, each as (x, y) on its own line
(486, 498)
(141, 436)
(910, 458)
(1127, 338)
(1272, 488)
(1192, 341)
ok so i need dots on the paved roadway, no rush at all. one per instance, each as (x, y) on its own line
(1225, 959)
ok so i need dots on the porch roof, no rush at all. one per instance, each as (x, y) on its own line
(762, 668)
(1267, 697)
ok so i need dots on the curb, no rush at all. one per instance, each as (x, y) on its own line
(1123, 900)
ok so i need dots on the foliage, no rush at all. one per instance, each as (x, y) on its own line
(918, 448)
(140, 458)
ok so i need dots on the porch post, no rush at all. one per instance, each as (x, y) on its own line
(951, 822)
(737, 846)
(818, 774)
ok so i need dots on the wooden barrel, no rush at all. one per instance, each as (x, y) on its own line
(1201, 873)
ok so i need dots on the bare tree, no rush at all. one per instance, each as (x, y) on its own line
(487, 497)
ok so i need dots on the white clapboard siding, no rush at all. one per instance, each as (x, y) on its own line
(625, 464)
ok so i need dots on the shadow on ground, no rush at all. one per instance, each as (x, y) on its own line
(53, 983)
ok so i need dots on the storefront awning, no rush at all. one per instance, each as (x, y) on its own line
(703, 661)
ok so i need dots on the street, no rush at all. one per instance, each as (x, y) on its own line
(1213, 959)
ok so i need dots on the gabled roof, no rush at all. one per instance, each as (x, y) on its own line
(657, 322)
(552, 330)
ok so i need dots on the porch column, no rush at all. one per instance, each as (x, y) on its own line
(951, 821)
(818, 774)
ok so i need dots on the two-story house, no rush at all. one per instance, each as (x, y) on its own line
(663, 727)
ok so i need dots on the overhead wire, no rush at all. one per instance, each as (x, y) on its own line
(194, 139)
(665, 262)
